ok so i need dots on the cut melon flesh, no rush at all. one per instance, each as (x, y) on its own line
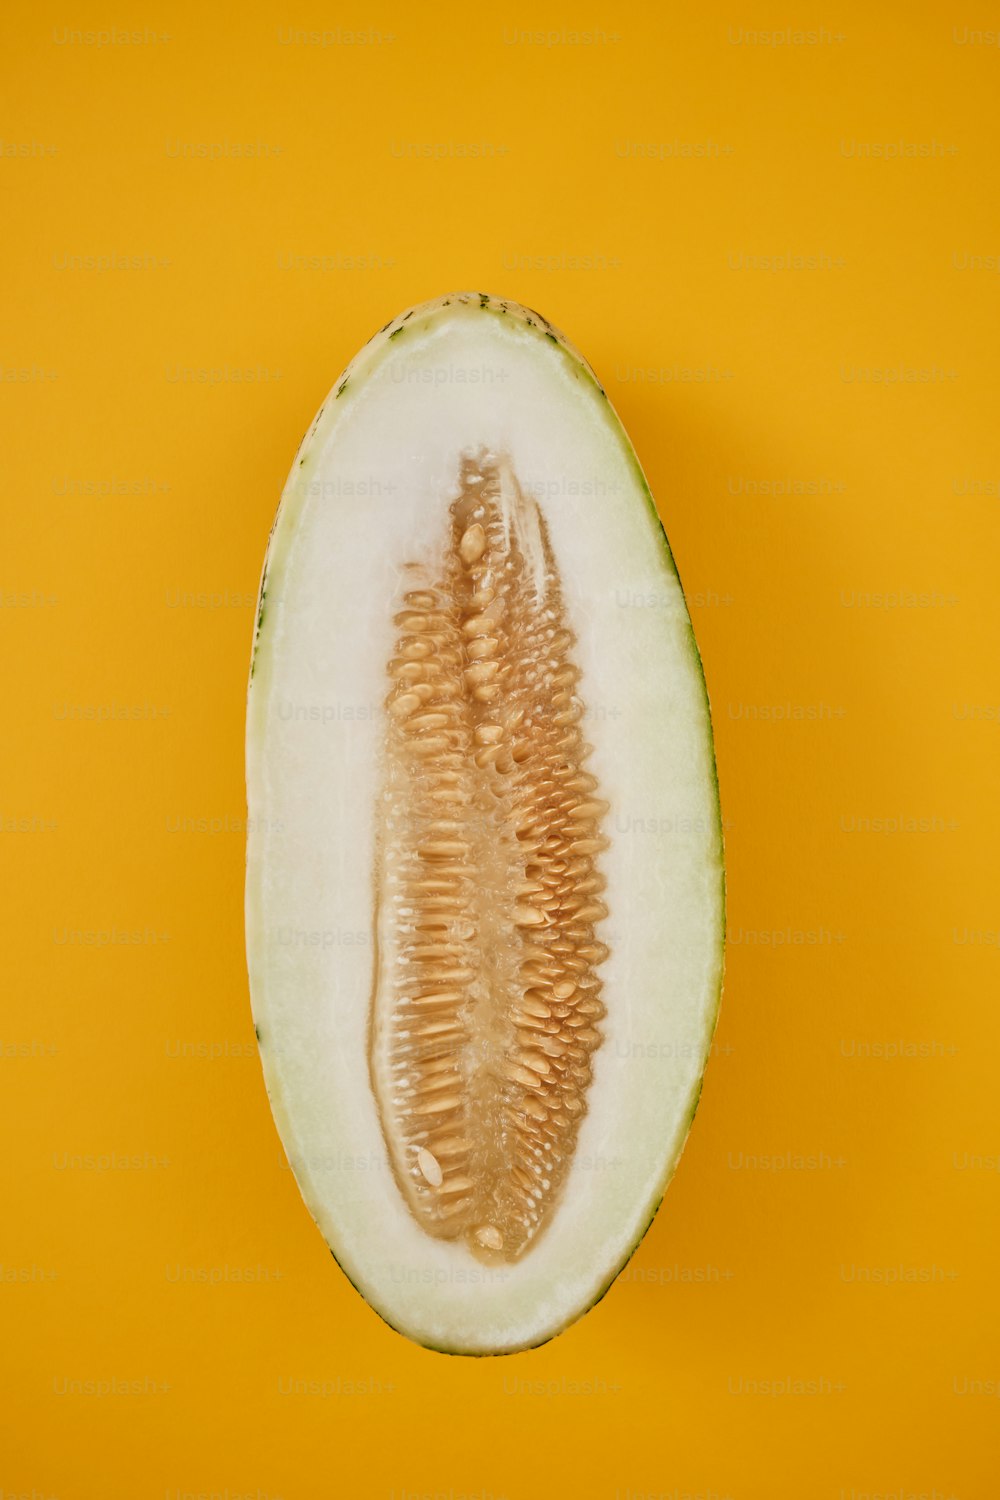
(468, 483)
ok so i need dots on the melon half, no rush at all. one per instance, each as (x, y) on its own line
(484, 902)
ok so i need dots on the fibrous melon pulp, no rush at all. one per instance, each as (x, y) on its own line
(484, 875)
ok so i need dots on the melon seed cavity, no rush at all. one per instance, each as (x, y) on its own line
(486, 1004)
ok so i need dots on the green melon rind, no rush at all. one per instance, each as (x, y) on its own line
(363, 361)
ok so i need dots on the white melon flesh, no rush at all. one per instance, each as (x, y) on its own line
(368, 497)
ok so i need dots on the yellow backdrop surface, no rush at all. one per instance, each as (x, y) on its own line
(774, 231)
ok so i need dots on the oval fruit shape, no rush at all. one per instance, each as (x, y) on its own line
(484, 902)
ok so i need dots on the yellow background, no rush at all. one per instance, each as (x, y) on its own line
(815, 1311)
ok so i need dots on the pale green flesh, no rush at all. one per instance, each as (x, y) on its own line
(367, 493)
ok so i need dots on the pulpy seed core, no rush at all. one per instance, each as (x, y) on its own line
(486, 1003)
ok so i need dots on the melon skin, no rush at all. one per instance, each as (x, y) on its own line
(272, 1021)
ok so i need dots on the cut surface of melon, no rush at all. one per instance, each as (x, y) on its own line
(484, 901)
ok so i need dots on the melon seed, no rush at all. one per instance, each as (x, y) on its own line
(430, 1167)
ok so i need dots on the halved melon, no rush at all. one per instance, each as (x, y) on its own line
(484, 875)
